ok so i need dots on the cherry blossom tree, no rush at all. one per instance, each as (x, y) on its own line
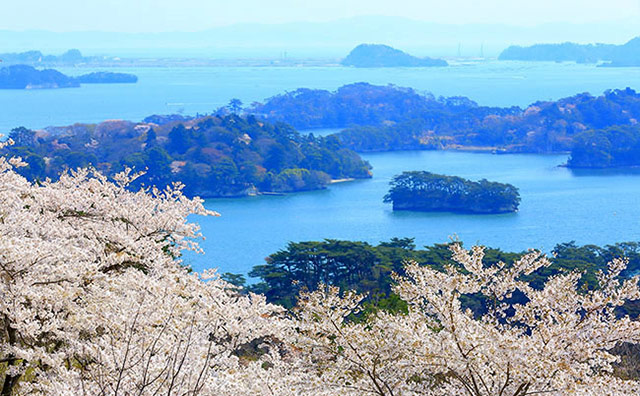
(554, 340)
(95, 300)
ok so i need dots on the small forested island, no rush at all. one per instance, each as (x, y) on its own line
(386, 118)
(213, 156)
(617, 146)
(27, 77)
(627, 54)
(379, 55)
(430, 192)
(107, 78)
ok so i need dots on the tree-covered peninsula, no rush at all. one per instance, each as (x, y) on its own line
(213, 156)
(379, 55)
(430, 192)
(385, 118)
(617, 146)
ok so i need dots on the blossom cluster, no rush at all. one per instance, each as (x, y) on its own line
(555, 340)
(96, 301)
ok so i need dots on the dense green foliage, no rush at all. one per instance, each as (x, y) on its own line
(349, 265)
(212, 156)
(611, 147)
(367, 268)
(426, 191)
(618, 55)
(383, 118)
(378, 55)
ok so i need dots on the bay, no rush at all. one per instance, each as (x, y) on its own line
(558, 205)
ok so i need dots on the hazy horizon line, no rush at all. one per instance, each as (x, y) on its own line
(616, 22)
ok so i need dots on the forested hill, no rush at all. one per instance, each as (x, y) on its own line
(363, 104)
(212, 156)
(627, 54)
(384, 118)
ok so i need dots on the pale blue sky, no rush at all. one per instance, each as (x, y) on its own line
(195, 15)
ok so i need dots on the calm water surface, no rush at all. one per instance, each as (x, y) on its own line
(191, 90)
(557, 205)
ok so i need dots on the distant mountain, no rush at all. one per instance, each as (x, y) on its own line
(28, 77)
(37, 58)
(618, 55)
(379, 55)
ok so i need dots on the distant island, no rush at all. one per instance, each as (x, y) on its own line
(213, 156)
(379, 55)
(107, 78)
(28, 77)
(387, 118)
(430, 192)
(616, 55)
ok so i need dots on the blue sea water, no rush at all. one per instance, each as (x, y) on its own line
(165, 90)
(558, 205)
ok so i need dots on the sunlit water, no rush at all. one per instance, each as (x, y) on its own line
(557, 204)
